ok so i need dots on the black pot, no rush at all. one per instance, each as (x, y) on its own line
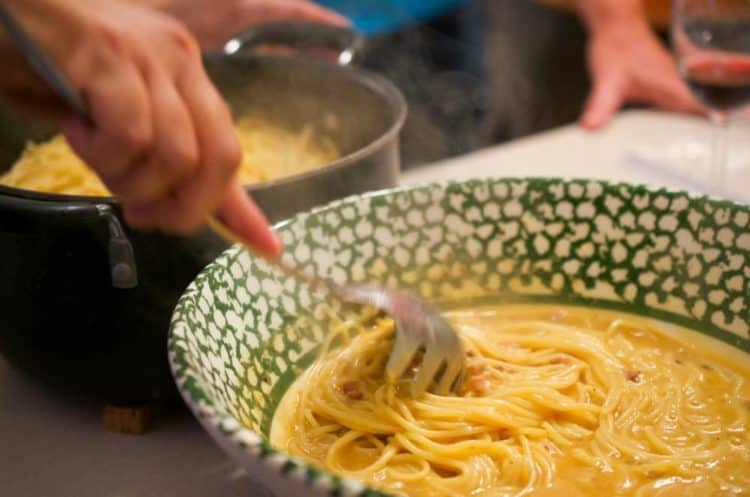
(86, 302)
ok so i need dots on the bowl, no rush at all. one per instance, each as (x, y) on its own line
(236, 344)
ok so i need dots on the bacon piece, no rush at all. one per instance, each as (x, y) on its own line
(479, 384)
(353, 389)
(631, 375)
(502, 434)
(476, 368)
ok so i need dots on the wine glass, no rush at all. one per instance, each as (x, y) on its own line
(711, 39)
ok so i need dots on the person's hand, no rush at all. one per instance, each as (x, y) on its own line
(160, 136)
(213, 22)
(628, 64)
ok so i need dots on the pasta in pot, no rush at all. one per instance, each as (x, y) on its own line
(53, 167)
(556, 401)
(269, 151)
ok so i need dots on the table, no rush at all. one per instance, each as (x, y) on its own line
(54, 446)
(639, 146)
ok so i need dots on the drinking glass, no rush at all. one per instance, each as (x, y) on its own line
(711, 40)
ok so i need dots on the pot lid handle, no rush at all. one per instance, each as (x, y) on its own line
(300, 36)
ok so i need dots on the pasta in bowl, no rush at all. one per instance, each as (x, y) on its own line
(605, 327)
(556, 400)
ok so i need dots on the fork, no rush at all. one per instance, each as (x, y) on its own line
(419, 326)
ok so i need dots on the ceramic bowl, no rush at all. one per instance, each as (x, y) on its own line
(241, 333)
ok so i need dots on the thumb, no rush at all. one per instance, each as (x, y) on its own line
(603, 101)
(245, 219)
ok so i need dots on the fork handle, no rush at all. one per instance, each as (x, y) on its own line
(312, 281)
(42, 64)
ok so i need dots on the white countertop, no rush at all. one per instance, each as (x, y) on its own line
(639, 146)
(53, 446)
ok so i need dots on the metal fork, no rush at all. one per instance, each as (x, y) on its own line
(41, 63)
(419, 326)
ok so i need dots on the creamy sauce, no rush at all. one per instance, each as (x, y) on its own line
(682, 392)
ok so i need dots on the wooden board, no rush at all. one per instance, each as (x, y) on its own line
(132, 420)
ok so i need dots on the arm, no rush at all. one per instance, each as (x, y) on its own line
(627, 63)
(160, 136)
(213, 22)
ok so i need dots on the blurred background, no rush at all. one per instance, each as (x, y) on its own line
(482, 72)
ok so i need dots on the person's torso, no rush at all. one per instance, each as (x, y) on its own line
(383, 16)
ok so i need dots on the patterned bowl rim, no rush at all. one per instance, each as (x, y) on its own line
(220, 423)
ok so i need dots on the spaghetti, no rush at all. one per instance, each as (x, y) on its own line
(556, 401)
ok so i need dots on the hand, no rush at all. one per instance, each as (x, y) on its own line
(214, 22)
(628, 64)
(160, 136)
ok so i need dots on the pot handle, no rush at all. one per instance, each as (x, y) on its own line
(122, 266)
(301, 36)
(20, 214)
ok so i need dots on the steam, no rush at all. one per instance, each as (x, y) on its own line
(484, 72)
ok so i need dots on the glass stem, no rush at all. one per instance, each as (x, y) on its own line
(719, 138)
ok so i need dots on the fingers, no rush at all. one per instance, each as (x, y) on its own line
(663, 90)
(667, 91)
(219, 152)
(159, 134)
(140, 167)
(245, 219)
(631, 65)
(174, 154)
(291, 10)
(603, 102)
(687, 102)
(218, 156)
(122, 129)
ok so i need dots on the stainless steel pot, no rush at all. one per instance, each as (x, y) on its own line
(86, 301)
(362, 112)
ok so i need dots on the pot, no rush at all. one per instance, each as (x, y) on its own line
(86, 301)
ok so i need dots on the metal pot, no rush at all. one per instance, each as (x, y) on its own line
(86, 302)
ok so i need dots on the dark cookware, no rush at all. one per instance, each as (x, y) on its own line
(86, 301)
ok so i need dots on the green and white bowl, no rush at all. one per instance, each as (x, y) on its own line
(237, 341)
